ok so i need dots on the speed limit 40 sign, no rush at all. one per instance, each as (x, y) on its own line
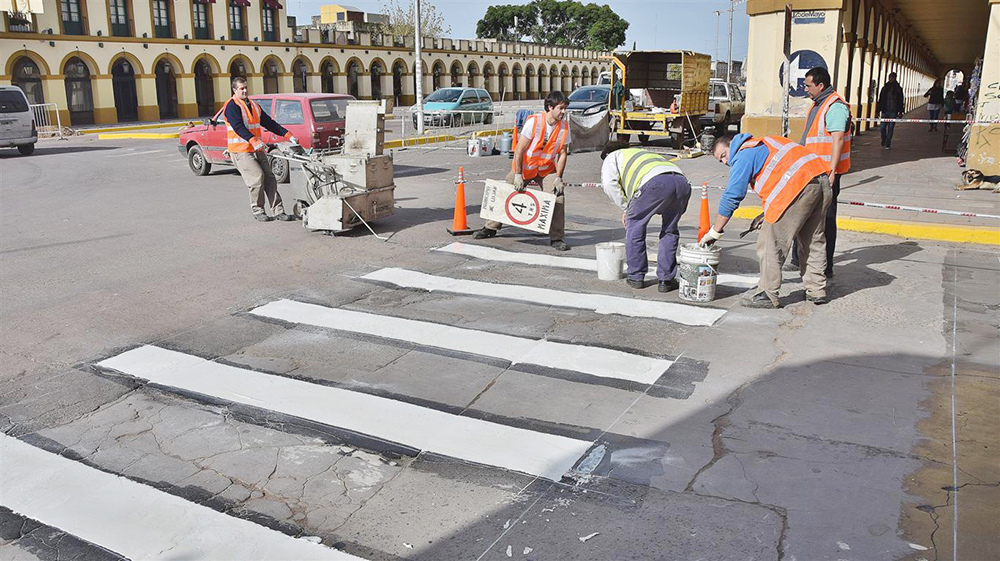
(529, 209)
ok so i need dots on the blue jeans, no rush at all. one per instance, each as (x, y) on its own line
(933, 115)
(888, 129)
(666, 194)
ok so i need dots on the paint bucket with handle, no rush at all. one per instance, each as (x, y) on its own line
(610, 257)
(697, 272)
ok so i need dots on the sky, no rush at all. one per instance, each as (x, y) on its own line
(653, 24)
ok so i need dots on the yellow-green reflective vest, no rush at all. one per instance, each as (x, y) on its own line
(637, 163)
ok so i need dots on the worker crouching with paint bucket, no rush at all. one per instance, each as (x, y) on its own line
(793, 185)
(644, 184)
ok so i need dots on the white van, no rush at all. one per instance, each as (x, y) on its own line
(17, 121)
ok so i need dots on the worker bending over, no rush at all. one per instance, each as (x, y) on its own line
(643, 184)
(795, 189)
(245, 121)
(540, 158)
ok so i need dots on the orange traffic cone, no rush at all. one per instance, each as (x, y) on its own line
(459, 225)
(704, 221)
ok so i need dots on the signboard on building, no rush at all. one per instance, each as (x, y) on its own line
(808, 16)
(801, 62)
(529, 209)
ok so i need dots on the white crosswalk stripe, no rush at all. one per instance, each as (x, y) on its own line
(492, 254)
(465, 438)
(596, 361)
(131, 519)
(599, 303)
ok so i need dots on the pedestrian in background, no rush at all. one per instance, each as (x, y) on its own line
(935, 100)
(950, 106)
(890, 106)
(245, 121)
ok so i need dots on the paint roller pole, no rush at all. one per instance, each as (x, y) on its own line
(418, 68)
(704, 221)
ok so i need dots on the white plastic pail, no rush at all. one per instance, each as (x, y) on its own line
(479, 147)
(610, 256)
(697, 272)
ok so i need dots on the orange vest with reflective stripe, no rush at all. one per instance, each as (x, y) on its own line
(787, 171)
(251, 118)
(820, 142)
(540, 158)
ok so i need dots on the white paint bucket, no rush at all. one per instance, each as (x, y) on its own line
(479, 147)
(697, 272)
(610, 258)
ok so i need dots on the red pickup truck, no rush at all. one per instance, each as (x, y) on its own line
(316, 120)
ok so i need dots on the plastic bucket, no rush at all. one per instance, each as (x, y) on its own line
(610, 257)
(479, 147)
(697, 272)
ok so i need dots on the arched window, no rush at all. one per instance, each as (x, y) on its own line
(238, 69)
(376, 71)
(456, 75)
(29, 79)
(79, 95)
(204, 89)
(300, 76)
(352, 79)
(328, 78)
(398, 70)
(271, 77)
(166, 89)
(126, 94)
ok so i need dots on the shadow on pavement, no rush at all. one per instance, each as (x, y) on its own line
(53, 149)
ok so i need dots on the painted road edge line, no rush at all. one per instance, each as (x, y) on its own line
(957, 233)
(465, 438)
(132, 519)
(138, 135)
(493, 254)
(585, 359)
(598, 303)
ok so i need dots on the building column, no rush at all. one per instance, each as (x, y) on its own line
(983, 155)
(409, 94)
(187, 101)
(54, 90)
(286, 83)
(508, 87)
(314, 83)
(223, 89)
(256, 84)
(340, 83)
(104, 100)
(149, 108)
(365, 85)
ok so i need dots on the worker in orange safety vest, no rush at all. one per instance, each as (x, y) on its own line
(245, 121)
(828, 135)
(540, 158)
(793, 185)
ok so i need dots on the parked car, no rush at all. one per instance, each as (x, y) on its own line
(604, 79)
(589, 99)
(17, 121)
(725, 106)
(439, 105)
(317, 120)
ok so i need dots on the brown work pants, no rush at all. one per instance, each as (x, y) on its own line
(546, 184)
(804, 221)
(256, 173)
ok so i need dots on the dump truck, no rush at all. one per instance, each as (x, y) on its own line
(658, 94)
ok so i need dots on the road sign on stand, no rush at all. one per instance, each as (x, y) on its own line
(801, 62)
(530, 209)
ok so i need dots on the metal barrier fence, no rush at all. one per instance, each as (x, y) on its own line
(44, 114)
(458, 120)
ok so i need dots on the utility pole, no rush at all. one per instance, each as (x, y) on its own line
(729, 67)
(718, 18)
(418, 68)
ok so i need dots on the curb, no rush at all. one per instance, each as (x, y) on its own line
(178, 124)
(938, 232)
(138, 135)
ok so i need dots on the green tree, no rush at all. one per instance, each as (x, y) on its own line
(401, 20)
(555, 22)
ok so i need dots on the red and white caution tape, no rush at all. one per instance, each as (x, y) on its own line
(854, 203)
(946, 121)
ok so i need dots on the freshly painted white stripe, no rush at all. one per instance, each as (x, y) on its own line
(600, 303)
(596, 361)
(493, 254)
(131, 519)
(465, 438)
(134, 154)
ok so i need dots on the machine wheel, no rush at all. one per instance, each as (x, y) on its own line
(677, 138)
(279, 168)
(26, 149)
(197, 162)
(644, 139)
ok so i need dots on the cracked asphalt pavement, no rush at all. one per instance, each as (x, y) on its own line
(862, 429)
